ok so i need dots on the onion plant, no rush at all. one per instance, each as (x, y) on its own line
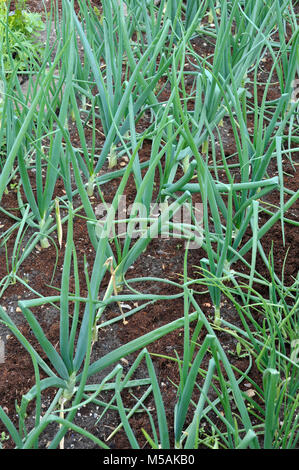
(224, 85)
(64, 372)
(70, 382)
(39, 207)
(19, 253)
(274, 347)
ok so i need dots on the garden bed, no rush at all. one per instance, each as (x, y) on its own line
(163, 258)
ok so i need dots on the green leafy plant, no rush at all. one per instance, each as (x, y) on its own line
(18, 29)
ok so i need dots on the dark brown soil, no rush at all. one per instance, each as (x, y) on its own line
(163, 259)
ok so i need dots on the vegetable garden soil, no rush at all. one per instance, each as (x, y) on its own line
(163, 258)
